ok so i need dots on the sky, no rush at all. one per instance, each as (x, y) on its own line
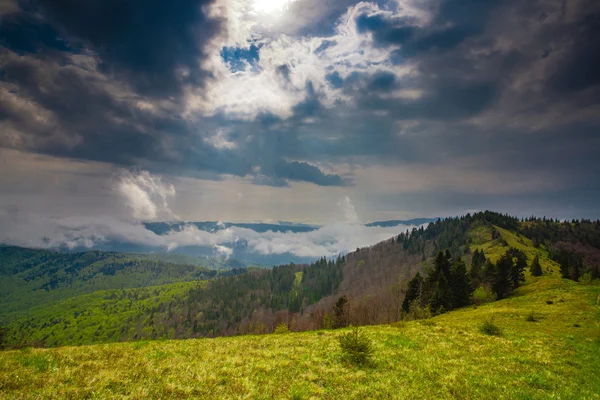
(282, 110)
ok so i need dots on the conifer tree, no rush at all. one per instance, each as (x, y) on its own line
(476, 271)
(460, 285)
(488, 272)
(340, 313)
(413, 292)
(442, 265)
(502, 283)
(441, 297)
(536, 268)
(517, 271)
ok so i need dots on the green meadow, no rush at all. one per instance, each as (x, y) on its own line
(555, 355)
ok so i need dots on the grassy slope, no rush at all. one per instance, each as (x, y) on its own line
(444, 357)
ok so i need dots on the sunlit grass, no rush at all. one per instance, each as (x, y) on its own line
(445, 357)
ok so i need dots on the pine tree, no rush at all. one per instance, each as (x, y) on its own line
(488, 272)
(502, 283)
(460, 285)
(413, 292)
(2, 337)
(536, 268)
(442, 265)
(575, 269)
(340, 313)
(476, 271)
(441, 297)
(517, 271)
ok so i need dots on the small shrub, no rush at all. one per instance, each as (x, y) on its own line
(416, 312)
(482, 296)
(281, 329)
(586, 278)
(489, 328)
(356, 347)
(531, 317)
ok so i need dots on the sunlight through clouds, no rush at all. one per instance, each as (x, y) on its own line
(271, 7)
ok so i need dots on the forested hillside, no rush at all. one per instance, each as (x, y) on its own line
(450, 264)
(36, 278)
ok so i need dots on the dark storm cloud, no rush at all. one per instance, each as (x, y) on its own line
(455, 21)
(142, 41)
(141, 46)
(24, 33)
(579, 69)
(385, 32)
(446, 101)
(469, 63)
(301, 171)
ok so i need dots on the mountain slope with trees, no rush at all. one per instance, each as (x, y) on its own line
(450, 264)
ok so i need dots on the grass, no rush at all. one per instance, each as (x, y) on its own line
(447, 357)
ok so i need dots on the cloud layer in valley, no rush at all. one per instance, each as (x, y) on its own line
(146, 195)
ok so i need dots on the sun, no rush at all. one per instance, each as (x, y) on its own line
(271, 7)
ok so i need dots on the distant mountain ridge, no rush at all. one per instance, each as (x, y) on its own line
(160, 228)
(396, 222)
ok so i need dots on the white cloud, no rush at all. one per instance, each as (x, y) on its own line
(219, 141)
(350, 215)
(146, 195)
(264, 88)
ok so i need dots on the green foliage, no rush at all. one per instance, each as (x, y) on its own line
(356, 347)
(416, 312)
(29, 278)
(586, 278)
(531, 317)
(327, 321)
(488, 327)
(460, 285)
(233, 302)
(340, 313)
(482, 295)
(476, 272)
(447, 286)
(502, 283)
(517, 272)
(413, 292)
(535, 268)
(281, 329)
(441, 297)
